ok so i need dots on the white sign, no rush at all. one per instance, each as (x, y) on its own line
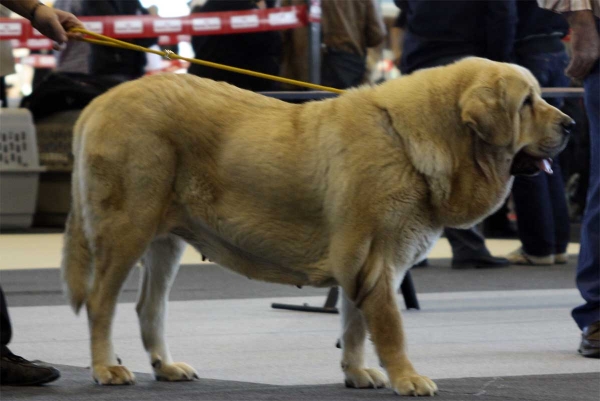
(94, 26)
(10, 29)
(315, 10)
(206, 24)
(167, 25)
(244, 21)
(39, 43)
(283, 18)
(129, 26)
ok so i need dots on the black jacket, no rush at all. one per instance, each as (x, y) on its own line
(259, 51)
(436, 29)
(539, 30)
(105, 60)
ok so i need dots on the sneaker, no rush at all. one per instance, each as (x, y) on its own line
(561, 258)
(17, 371)
(519, 257)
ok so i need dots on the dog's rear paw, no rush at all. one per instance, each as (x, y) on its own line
(365, 378)
(414, 385)
(112, 375)
(177, 371)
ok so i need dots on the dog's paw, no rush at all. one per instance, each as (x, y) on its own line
(414, 385)
(365, 378)
(112, 375)
(175, 372)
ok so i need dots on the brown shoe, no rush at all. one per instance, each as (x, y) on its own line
(590, 341)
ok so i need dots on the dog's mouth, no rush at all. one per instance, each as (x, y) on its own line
(526, 164)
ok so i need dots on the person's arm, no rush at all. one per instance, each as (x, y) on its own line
(501, 28)
(585, 42)
(50, 22)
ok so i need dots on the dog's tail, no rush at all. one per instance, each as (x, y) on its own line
(76, 264)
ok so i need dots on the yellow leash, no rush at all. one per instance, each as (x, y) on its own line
(108, 41)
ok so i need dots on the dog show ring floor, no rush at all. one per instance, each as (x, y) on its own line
(481, 334)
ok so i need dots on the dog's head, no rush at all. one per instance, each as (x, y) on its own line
(504, 108)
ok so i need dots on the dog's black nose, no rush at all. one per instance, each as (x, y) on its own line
(568, 126)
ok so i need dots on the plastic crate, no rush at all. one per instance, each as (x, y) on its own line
(19, 168)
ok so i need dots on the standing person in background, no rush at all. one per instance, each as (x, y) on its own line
(259, 51)
(540, 201)
(112, 62)
(439, 33)
(584, 19)
(15, 370)
(349, 28)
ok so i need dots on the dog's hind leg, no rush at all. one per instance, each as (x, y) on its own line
(354, 333)
(160, 265)
(118, 246)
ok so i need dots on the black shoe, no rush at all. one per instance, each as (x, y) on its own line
(481, 262)
(590, 341)
(16, 371)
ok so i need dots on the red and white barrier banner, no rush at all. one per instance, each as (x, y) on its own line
(168, 30)
(48, 61)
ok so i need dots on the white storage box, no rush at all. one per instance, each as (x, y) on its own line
(19, 168)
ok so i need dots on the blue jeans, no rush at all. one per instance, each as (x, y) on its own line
(588, 266)
(540, 203)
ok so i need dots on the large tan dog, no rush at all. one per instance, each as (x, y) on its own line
(349, 191)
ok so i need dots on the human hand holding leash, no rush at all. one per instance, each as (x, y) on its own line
(51, 22)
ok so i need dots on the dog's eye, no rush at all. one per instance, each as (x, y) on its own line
(528, 101)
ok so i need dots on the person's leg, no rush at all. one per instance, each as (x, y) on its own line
(540, 204)
(3, 94)
(469, 250)
(5, 326)
(14, 370)
(587, 316)
(535, 223)
(556, 184)
(560, 213)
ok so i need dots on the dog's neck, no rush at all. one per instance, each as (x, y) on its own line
(480, 184)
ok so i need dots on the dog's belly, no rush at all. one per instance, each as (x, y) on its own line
(260, 256)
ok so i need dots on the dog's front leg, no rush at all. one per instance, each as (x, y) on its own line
(354, 333)
(376, 298)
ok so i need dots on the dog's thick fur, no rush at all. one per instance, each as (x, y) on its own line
(349, 191)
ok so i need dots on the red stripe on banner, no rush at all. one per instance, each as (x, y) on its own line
(168, 30)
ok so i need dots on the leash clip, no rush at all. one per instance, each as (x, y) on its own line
(169, 54)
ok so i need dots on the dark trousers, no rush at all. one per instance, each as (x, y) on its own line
(3, 97)
(5, 327)
(588, 265)
(542, 213)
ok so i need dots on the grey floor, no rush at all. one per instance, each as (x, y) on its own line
(501, 334)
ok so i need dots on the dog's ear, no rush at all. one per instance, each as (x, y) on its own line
(484, 109)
